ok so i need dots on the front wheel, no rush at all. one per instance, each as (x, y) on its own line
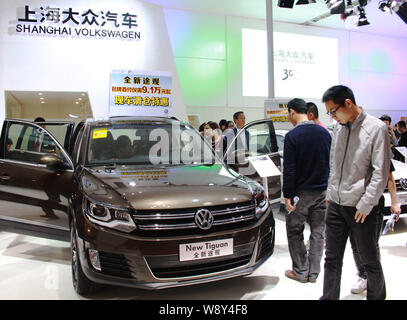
(81, 283)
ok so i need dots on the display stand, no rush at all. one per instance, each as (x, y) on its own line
(265, 167)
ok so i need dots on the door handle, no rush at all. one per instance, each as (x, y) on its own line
(4, 177)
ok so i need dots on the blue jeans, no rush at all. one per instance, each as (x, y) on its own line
(340, 224)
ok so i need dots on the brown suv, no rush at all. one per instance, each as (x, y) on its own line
(145, 202)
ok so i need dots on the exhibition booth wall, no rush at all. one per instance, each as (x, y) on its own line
(72, 56)
(208, 54)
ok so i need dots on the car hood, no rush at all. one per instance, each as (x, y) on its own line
(165, 188)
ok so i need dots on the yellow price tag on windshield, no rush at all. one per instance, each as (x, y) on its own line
(100, 133)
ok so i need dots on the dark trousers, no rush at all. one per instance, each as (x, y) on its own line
(311, 209)
(340, 224)
(361, 270)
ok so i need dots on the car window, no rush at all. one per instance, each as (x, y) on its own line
(59, 131)
(150, 143)
(27, 143)
(260, 143)
(280, 142)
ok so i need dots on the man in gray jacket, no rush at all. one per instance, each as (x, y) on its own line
(359, 167)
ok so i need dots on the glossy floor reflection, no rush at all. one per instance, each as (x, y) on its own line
(34, 268)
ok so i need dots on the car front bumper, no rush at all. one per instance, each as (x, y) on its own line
(153, 263)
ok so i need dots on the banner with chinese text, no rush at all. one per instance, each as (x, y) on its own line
(77, 23)
(276, 110)
(140, 93)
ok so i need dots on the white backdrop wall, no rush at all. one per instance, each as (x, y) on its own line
(47, 63)
(210, 44)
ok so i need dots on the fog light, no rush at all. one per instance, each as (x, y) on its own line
(94, 259)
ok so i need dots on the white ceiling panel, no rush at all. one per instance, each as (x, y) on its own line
(380, 22)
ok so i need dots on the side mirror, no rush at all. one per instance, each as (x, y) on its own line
(52, 160)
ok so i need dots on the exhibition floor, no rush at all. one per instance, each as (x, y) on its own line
(34, 268)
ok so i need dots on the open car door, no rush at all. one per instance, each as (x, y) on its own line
(257, 138)
(35, 178)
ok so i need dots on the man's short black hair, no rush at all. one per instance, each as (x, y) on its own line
(312, 108)
(401, 123)
(39, 119)
(385, 117)
(338, 94)
(236, 114)
(223, 122)
(298, 105)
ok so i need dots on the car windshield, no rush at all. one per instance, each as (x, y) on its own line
(147, 143)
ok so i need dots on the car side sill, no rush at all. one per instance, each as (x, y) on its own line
(32, 228)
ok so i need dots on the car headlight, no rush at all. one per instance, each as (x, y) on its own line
(260, 199)
(109, 216)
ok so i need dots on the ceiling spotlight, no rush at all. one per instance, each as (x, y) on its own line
(390, 5)
(349, 10)
(336, 7)
(285, 3)
(362, 18)
(305, 2)
(331, 4)
(393, 3)
(383, 6)
(402, 11)
(397, 6)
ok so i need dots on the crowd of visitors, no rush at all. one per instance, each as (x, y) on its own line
(219, 134)
(335, 183)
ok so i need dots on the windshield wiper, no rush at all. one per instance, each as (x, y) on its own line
(110, 166)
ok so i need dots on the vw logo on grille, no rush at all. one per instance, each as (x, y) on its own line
(403, 183)
(204, 219)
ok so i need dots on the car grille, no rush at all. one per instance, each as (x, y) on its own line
(266, 245)
(114, 265)
(398, 186)
(164, 267)
(182, 222)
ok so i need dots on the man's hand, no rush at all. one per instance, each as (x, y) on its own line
(360, 216)
(395, 208)
(288, 205)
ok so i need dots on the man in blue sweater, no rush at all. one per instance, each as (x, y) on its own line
(305, 175)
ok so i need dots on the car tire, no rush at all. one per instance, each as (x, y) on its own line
(81, 283)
